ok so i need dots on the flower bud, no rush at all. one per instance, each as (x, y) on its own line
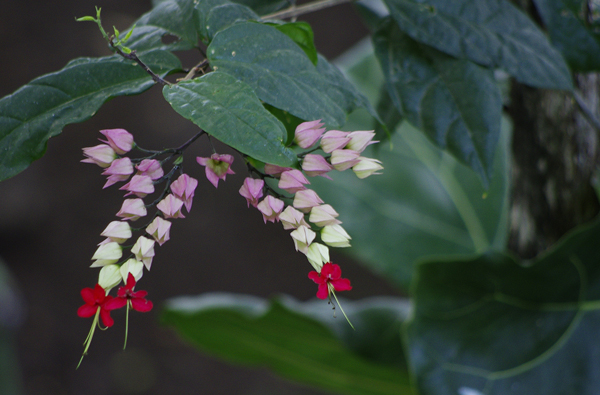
(119, 170)
(292, 181)
(101, 154)
(143, 249)
(171, 207)
(292, 218)
(252, 190)
(150, 168)
(133, 266)
(315, 165)
(317, 255)
(159, 229)
(132, 209)
(119, 140)
(307, 133)
(334, 140)
(106, 254)
(274, 170)
(139, 186)
(117, 231)
(109, 277)
(270, 207)
(360, 140)
(183, 188)
(323, 215)
(343, 159)
(366, 167)
(306, 199)
(335, 236)
(302, 237)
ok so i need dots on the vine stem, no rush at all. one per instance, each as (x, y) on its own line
(294, 11)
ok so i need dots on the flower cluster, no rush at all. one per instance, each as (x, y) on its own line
(141, 176)
(308, 216)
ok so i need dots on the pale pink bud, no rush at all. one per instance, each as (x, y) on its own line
(302, 237)
(183, 188)
(306, 199)
(143, 249)
(252, 190)
(315, 165)
(292, 181)
(119, 170)
(270, 207)
(107, 254)
(323, 215)
(335, 236)
(132, 209)
(317, 255)
(160, 230)
(217, 167)
(119, 139)
(334, 139)
(307, 133)
(292, 218)
(139, 186)
(150, 168)
(133, 266)
(343, 159)
(367, 167)
(117, 231)
(274, 170)
(171, 207)
(101, 154)
(359, 140)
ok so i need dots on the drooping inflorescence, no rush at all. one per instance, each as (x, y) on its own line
(279, 193)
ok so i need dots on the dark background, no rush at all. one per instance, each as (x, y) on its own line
(51, 216)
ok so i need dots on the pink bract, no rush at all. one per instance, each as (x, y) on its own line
(217, 167)
(119, 139)
(252, 190)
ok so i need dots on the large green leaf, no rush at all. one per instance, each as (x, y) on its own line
(578, 43)
(282, 75)
(424, 204)
(454, 101)
(168, 17)
(302, 34)
(495, 325)
(265, 7)
(40, 109)
(283, 337)
(493, 33)
(229, 110)
(216, 15)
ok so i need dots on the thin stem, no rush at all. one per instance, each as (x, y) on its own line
(294, 11)
(134, 57)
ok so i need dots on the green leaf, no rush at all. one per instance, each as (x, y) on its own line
(265, 7)
(454, 101)
(282, 75)
(288, 120)
(492, 33)
(283, 337)
(169, 17)
(229, 110)
(495, 325)
(302, 34)
(216, 15)
(578, 43)
(40, 109)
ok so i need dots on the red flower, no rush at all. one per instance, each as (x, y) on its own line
(330, 276)
(96, 299)
(126, 295)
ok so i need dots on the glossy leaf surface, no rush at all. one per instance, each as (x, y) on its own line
(229, 110)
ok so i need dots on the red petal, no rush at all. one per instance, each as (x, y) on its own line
(316, 277)
(323, 291)
(343, 284)
(87, 310)
(336, 272)
(141, 305)
(106, 318)
(115, 303)
(139, 294)
(88, 296)
(130, 281)
(99, 293)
